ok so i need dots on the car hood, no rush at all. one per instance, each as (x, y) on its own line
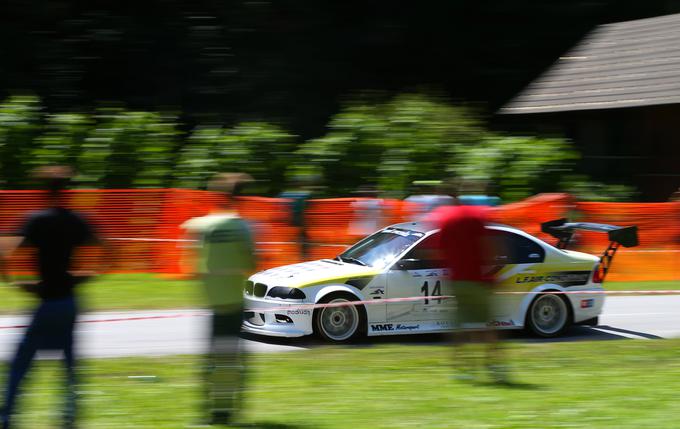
(312, 273)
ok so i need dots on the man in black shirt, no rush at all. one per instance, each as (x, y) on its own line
(55, 233)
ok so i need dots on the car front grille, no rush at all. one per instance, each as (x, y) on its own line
(260, 290)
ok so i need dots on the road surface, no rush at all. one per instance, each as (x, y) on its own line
(169, 332)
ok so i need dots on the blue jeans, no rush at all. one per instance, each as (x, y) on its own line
(50, 329)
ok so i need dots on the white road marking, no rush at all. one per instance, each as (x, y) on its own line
(620, 334)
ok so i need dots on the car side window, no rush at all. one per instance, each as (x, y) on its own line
(511, 248)
(426, 254)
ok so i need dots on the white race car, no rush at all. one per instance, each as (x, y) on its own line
(393, 280)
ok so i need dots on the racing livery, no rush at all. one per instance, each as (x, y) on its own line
(401, 285)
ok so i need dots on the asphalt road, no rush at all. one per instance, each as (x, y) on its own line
(157, 333)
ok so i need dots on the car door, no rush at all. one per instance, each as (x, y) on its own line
(419, 274)
(514, 257)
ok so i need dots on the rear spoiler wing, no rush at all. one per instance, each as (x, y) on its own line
(625, 236)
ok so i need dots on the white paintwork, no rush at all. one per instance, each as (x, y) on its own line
(328, 276)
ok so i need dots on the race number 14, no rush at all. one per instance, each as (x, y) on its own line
(436, 291)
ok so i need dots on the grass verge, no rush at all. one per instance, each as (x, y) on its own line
(118, 292)
(610, 384)
(660, 285)
(148, 291)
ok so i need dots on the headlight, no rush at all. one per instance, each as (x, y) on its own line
(286, 293)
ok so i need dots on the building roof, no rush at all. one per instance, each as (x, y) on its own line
(633, 63)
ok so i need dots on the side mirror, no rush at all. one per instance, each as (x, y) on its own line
(408, 264)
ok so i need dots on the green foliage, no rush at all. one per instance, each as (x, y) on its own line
(414, 138)
(518, 166)
(260, 149)
(19, 125)
(128, 149)
(588, 190)
(409, 138)
(389, 144)
(62, 141)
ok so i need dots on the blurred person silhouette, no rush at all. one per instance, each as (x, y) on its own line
(55, 233)
(467, 248)
(225, 258)
(474, 192)
(299, 192)
(367, 212)
(428, 195)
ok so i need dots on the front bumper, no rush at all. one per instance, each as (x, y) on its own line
(276, 318)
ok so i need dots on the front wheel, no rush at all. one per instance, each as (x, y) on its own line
(548, 315)
(342, 323)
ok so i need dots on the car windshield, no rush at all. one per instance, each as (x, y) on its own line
(380, 249)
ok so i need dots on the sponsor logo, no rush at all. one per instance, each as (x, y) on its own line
(501, 323)
(565, 278)
(384, 327)
(298, 312)
(378, 292)
(381, 327)
(401, 327)
(587, 303)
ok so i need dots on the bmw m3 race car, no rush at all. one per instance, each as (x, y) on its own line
(390, 282)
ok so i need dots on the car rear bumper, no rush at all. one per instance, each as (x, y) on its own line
(586, 305)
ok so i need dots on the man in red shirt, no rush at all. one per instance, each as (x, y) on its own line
(466, 249)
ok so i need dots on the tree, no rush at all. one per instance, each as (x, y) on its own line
(517, 167)
(62, 141)
(19, 126)
(413, 137)
(260, 149)
(128, 149)
(408, 138)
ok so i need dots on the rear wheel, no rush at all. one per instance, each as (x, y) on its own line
(342, 323)
(548, 315)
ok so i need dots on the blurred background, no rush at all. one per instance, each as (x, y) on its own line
(163, 93)
(557, 108)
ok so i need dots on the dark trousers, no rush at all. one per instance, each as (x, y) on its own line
(225, 366)
(51, 329)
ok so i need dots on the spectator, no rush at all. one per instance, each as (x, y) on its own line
(225, 258)
(428, 195)
(55, 232)
(473, 192)
(465, 246)
(298, 195)
(367, 212)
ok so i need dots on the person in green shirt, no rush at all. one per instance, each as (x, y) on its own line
(225, 258)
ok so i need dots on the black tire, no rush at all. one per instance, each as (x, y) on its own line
(549, 315)
(339, 324)
(590, 322)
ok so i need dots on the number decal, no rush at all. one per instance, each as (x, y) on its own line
(436, 291)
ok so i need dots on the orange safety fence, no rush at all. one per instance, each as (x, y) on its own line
(656, 258)
(531, 212)
(329, 223)
(149, 221)
(658, 255)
